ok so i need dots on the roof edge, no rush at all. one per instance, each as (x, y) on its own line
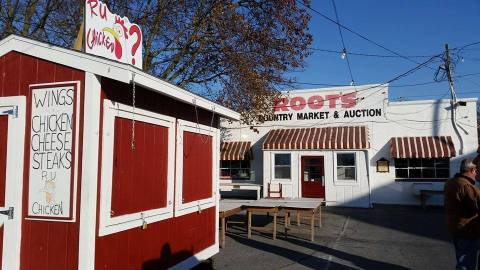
(109, 69)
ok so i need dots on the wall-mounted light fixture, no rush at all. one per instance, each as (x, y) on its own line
(383, 165)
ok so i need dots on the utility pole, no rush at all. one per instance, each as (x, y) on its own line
(449, 75)
(453, 97)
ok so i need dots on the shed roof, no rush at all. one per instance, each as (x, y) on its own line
(109, 69)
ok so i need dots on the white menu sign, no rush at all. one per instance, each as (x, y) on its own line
(112, 36)
(52, 125)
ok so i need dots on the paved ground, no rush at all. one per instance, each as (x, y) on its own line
(386, 237)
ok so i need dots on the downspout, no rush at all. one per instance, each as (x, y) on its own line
(367, 163)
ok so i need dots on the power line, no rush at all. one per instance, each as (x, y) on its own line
(357, 34)
(344, 51)
(467, 75)
(398, 77)
(390, 86)
(368, 54)
(466, 46)
(436, 95)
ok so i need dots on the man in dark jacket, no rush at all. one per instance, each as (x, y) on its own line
(462, 206)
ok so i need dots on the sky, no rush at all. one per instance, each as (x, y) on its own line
(412, 30)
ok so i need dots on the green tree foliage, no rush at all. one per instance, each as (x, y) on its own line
(236, 52)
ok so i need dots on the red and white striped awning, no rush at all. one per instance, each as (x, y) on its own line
(235, 151)
(422, 147)
(317, 138)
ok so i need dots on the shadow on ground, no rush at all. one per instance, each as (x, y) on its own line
(314, 262)
(386, 237)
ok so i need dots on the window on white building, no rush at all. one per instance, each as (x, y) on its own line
(235, 169)
(422, 169)
(346, 166)
(282, 166)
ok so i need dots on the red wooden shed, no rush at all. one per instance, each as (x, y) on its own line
(102, 166)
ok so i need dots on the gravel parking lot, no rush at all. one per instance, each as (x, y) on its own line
(386, 237)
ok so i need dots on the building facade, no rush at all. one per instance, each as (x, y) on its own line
(352, 146)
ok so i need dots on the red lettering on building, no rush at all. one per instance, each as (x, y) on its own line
(316, 102)
(297, 103)
(332, 100)
(349, 100)
(281, 104)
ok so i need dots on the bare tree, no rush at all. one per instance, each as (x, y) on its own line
(236, 52)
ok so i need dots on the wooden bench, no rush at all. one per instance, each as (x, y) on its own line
(241, 186)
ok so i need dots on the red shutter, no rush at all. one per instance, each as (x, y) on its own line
(139, 180)
(197, 166)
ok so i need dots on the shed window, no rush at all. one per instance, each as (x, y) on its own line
(282, 166)
(139, 180)
(136, 181)
(196, 171)
(197, 166)
(422, 169)
(346, 166)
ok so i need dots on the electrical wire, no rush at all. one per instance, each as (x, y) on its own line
(381, 86)
(368, 54)
(390, 86)
(374, 92)
(422, 110)
(432, 95)
(344, 51)
(358, 34)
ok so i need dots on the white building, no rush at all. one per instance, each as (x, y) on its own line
(331, 142)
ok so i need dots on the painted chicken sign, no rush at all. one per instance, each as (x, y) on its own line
(111, 36)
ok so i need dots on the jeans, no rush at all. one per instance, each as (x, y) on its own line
(467, 253)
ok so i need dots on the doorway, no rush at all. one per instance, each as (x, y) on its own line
(313, 177)
(12, 134)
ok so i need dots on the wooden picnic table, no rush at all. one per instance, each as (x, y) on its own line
(228, 208)
(306, 206)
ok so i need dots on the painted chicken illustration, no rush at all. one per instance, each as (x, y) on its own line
(119, 33)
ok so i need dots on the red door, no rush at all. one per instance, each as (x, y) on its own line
(313, 177)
